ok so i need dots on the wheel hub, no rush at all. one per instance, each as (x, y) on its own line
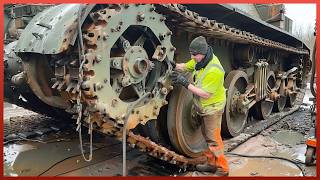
(136, 65)
(234, 119)
(118, 66)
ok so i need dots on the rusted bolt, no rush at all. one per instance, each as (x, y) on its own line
(152, 9)
(85, 85)
(19, 79)
(162, 18)
(98, 58)
(115, 63)
(164, 90)
(155, 107)
(125, 82)
(105, 36)
(120, 122)
(113, 30)
(105, 80)
(164, 102)
(141, 17)
(114, 102)
(99, 86)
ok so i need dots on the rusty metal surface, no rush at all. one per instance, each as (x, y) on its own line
(37, 78)
(116, 68)
(263, 109)
(51, 31)
(183, 125)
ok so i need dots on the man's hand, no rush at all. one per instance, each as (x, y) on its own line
(179, 79)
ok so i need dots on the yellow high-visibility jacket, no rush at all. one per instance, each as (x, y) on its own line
(211, 80)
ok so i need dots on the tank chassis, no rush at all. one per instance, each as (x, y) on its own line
(126, 53)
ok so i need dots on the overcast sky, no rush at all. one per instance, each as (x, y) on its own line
(302, 14)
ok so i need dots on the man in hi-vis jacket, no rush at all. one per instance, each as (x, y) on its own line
(209, 99)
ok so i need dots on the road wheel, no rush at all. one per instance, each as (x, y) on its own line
(234, 121)
(263, 108)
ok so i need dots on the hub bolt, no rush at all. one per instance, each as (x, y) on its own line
(99, 86)
(140, 17)
(164, 90)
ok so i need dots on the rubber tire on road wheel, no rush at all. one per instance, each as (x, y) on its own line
(233, 123)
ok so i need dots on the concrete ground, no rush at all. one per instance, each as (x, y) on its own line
(60, 155)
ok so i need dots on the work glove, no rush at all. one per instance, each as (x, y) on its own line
(177, 78)
(173, 64)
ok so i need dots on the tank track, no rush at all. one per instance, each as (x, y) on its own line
(191, 21)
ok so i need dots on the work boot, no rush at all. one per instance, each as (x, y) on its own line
(206, 168)
(221, 172)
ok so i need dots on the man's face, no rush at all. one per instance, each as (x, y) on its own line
(197, 57)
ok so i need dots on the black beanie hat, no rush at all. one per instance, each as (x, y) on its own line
(198, 45)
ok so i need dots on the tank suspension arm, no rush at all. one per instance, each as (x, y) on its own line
(286, 74)
(247, 99)
(260, 79)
